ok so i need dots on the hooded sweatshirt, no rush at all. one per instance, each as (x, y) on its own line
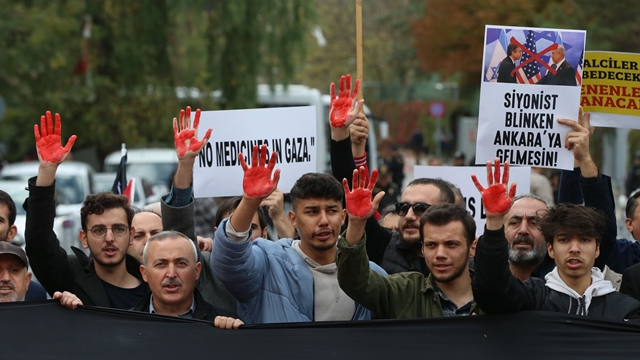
(599, 287)
(329, 301)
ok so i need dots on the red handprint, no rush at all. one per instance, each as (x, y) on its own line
(48, 139)
(495, 197)
(344, 109)
(257, 180)
(359, 199)
(185, 139)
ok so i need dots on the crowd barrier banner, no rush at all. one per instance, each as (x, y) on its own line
(46, 330)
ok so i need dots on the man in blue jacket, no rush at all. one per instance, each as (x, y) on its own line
(287, 280)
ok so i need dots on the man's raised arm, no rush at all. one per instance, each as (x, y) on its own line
(232, 258)
(177, 207)
(495, 289)
(349, 132)
(364, 285)
(48, 260)
(594, 186)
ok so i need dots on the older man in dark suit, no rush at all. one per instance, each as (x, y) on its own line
(565, 74)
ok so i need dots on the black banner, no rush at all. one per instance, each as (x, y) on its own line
(40, 330)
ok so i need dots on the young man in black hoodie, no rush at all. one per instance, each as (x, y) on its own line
(573, 234)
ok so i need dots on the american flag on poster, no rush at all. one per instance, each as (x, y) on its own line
(579, 69)
(530, 73)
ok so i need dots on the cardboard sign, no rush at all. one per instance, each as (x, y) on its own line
(611, 89)
(291, 132)
(529, 82)
(461, 176)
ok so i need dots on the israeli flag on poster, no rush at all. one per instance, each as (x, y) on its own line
(498, 54)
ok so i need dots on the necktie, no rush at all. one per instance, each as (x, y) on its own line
(554, 66)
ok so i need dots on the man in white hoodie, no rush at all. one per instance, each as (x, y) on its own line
(573, 234)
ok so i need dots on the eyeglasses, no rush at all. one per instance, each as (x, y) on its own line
(418, 208)
(100, 231)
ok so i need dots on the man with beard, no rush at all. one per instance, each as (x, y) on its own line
(287, 280)
(573, 235)
(396, 251)
(526, 244)
(448, 242)
(110, 278)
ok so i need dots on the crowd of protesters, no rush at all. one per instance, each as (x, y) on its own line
(357, 245)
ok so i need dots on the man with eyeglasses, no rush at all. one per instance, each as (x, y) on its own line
(395, 251)
(110, 278)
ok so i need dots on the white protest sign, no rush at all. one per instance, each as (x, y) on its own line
(461, 176)
(523, 95)
(290, 131)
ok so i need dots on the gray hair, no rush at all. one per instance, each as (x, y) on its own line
(561, 49)
(531, 196)
(168, 234)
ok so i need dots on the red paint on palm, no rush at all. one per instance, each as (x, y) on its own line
(340, 106)
(359, 202)
(257, 180)
(185, 137)
(48, 141)
(495, 198)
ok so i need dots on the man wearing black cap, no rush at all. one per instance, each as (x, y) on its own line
(14, 277)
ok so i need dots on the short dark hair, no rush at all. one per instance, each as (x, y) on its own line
(446, 194)
(443, 214)
(511, 48)
(573, 220)
(456, 192)
(8, 201)
(389, 209)
(229, 205)
(316, 186)
(98, 203)
(632, 204)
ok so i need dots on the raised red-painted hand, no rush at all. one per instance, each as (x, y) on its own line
(48, 139)
(186, 138)
(359, 202)
(257, 180)
(344, 109)
(495, 198)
